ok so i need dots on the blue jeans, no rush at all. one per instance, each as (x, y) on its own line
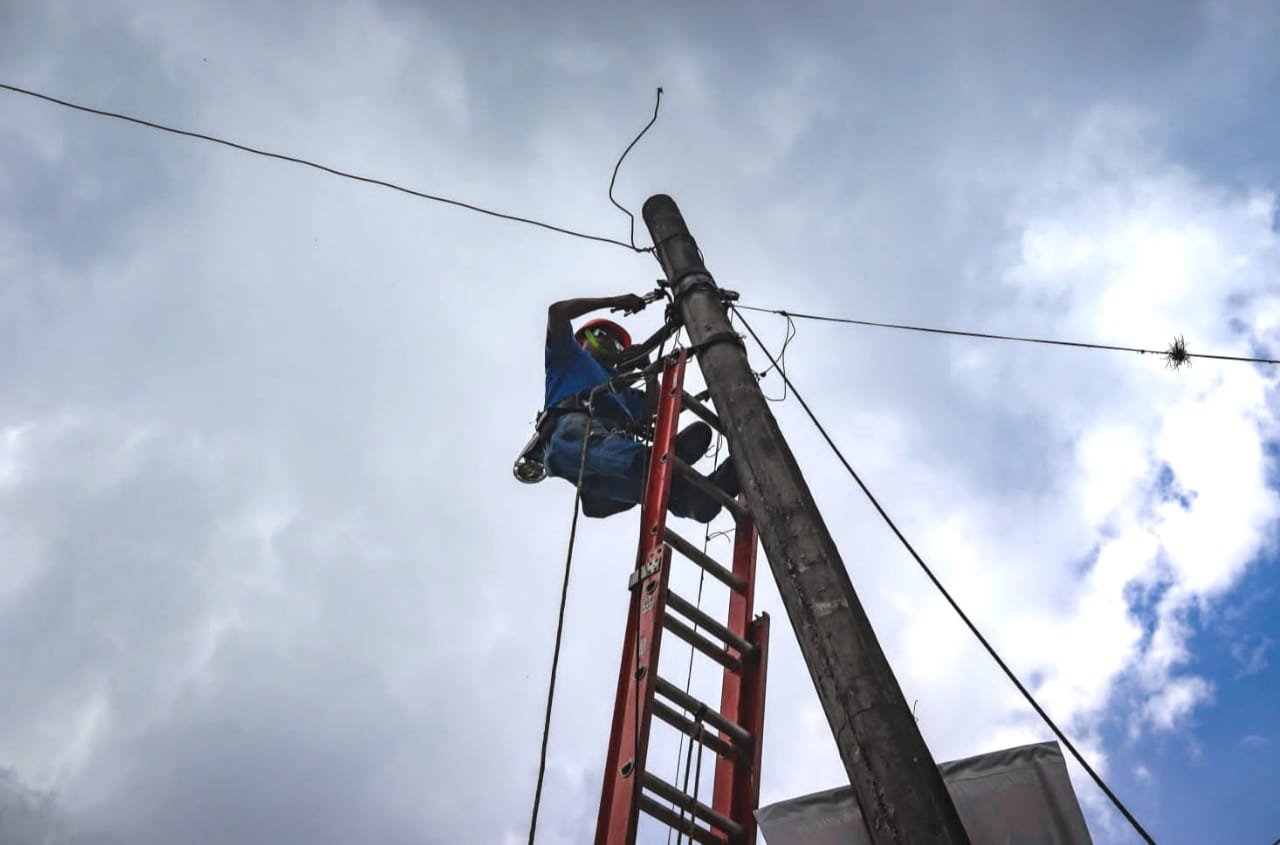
(614, 471)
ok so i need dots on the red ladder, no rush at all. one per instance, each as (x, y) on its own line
(741, 646)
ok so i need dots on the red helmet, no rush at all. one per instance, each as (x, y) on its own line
(593, 329)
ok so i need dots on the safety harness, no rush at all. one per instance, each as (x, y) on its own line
(528, 467)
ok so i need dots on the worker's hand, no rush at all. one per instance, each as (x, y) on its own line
(629, 303)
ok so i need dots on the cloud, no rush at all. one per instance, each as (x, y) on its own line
(266, 575)
(1089, 565)
(1172, 704)
(1251, 653)
(1121, 243)
(29, 817)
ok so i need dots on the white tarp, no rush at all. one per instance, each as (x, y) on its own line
(1019, 796)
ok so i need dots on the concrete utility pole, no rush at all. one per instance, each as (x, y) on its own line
(902, 795)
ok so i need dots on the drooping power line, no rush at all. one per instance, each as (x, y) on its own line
(1176, 355)
(946, 595)
(656, 103)
(321, 167)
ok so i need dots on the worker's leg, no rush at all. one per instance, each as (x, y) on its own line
(615, 468)
(688, 501)
(613, 471)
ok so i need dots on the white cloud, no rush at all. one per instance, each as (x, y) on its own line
(1252, 654)
(1142, 252)
(1148, 498)
(1168, 707)
(255, 453)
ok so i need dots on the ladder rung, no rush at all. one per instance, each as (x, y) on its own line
(689, 728)
(684, 824)
(701, 482)
(702, 412)
(701, 643)
(673, 693)
(713, 568)
(703, 620)
(664, 790)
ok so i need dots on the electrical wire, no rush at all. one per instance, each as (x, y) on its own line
(781, 366)
(954, 605)
(699, 730)
(782, 360)
(322, 167)
(696, 737)
(1176, 355)
(616, 167)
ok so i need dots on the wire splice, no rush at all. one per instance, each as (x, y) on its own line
(1176, 356)
(951, 601)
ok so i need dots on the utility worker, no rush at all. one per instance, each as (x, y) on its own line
(616, 463)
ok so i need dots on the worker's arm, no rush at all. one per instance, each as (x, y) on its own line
(561, 313)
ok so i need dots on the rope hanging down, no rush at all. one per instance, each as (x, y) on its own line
(1175, 356)
(321, 167)
(951, 601)
(564, 596)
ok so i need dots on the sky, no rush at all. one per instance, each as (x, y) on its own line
(266, 576)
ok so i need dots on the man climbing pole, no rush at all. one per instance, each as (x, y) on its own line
(616, 460)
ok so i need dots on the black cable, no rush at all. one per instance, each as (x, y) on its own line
(1176, 354)
(564, 596)
(688, 767)
(699, 731)
(331, 170)
(634, 141)
(956, 607)
(782, 362)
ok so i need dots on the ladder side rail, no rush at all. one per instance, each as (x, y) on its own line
(633, 704)
(746, 784)
(733, 776)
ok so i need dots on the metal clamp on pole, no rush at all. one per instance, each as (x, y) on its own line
(676, 250)
(689, 282)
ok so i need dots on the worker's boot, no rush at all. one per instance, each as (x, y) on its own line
(725, 477)
(692, 443)
(703, 508)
